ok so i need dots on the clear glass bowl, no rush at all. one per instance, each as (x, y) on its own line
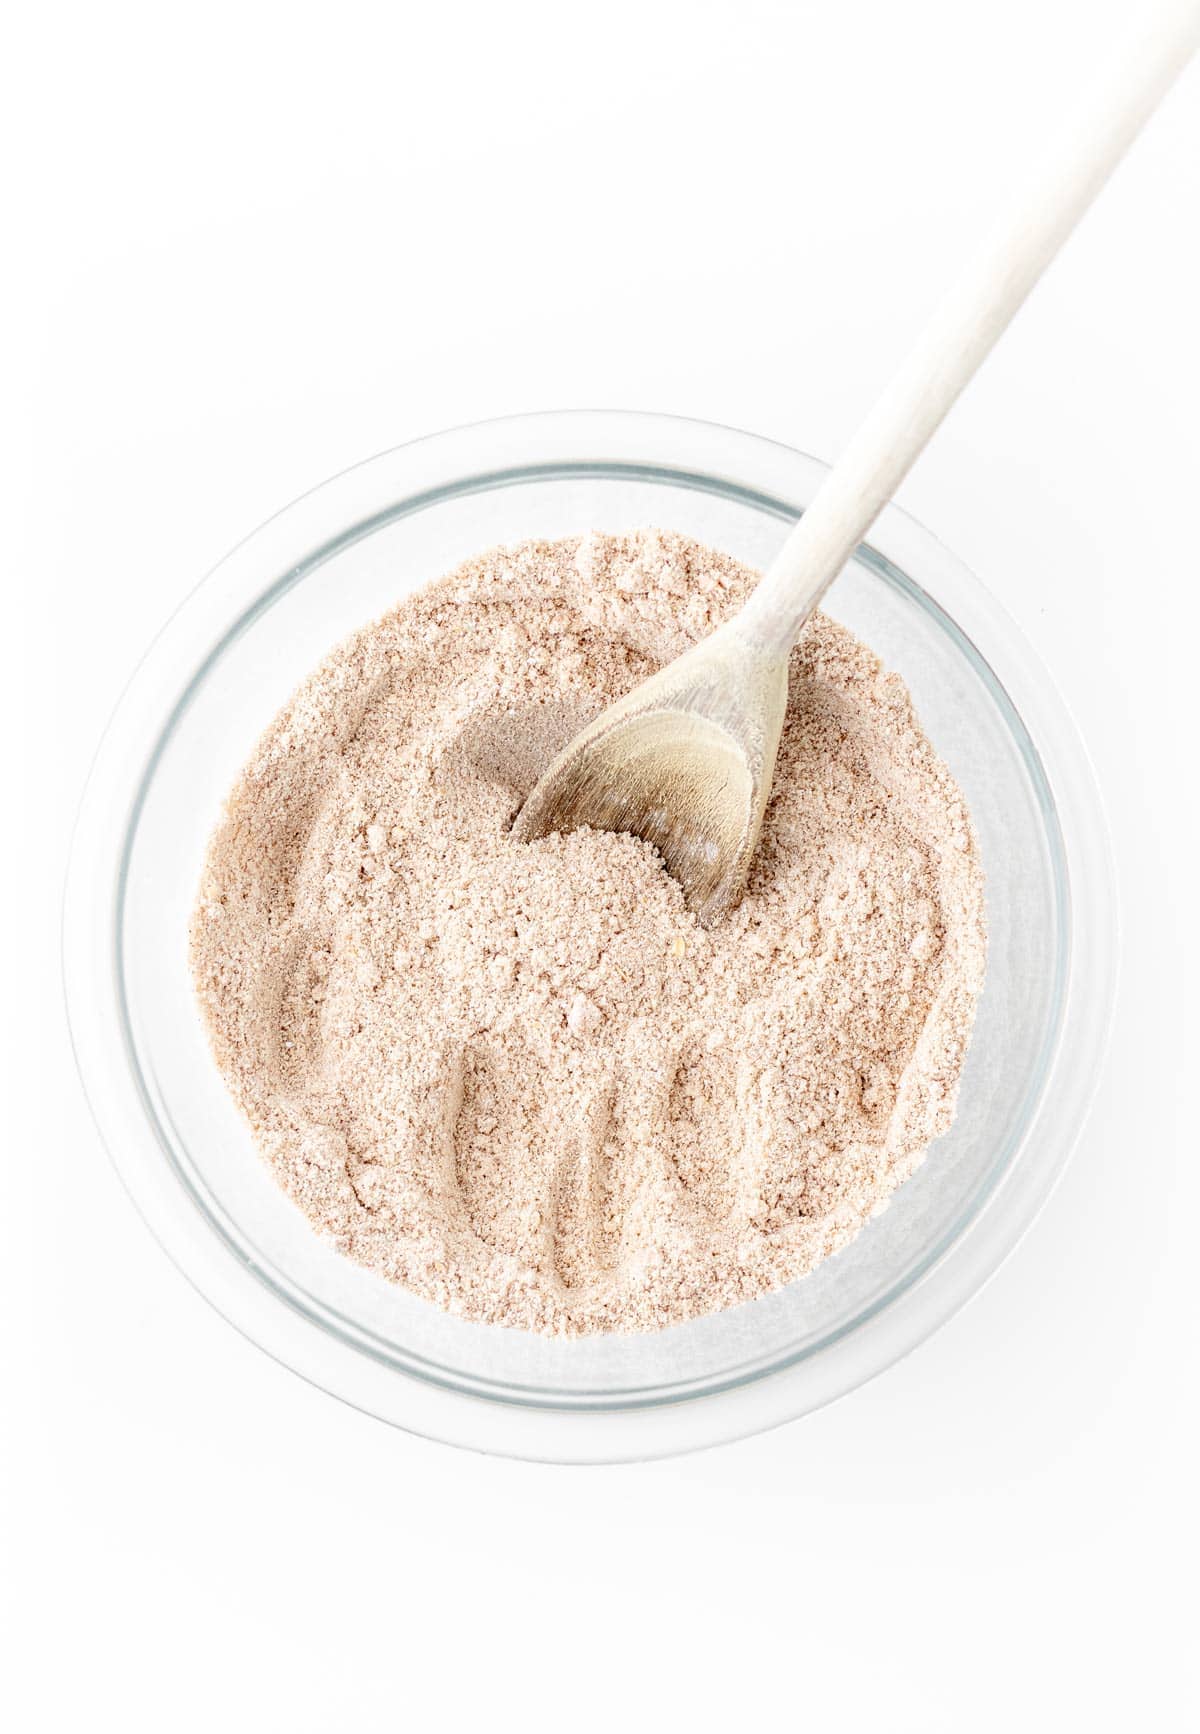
(232, 655)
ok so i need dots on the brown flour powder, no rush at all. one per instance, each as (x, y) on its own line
(520, 1079)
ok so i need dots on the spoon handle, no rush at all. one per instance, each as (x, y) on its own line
(962, 330)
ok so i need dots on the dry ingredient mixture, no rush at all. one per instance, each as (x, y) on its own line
(520, 1079)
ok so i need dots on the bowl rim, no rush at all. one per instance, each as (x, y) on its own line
(303, 536)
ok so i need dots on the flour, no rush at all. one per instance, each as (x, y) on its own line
(520, 1079)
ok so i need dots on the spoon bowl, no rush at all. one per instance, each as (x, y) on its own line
(684, 761)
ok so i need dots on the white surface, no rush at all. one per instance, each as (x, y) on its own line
(1039, 212)
(254, 243)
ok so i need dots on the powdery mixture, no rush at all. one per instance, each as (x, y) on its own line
(520, 1079)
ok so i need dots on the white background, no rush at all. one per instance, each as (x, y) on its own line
(249, 244)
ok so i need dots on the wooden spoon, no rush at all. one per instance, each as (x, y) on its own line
(686, 759)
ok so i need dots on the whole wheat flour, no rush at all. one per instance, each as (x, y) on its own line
(520, 1079)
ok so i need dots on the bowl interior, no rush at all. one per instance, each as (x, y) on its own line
(242, 679)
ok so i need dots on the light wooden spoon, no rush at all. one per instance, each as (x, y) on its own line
(686, 759)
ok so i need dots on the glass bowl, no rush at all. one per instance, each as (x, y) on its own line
(230, 658)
